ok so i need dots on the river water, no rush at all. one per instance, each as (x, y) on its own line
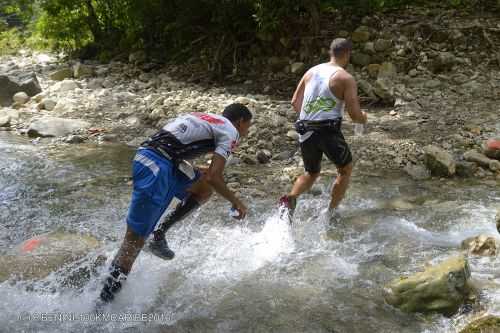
(259, 275)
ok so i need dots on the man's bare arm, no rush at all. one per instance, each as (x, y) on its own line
(215, 178)
(298, 95)
(352, 102)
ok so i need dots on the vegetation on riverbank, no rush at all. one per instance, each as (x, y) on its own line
(220, 34)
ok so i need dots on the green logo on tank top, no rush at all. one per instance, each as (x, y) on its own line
(320, 104)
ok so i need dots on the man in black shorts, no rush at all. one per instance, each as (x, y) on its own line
(320, 97)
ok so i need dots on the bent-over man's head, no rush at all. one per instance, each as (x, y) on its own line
(240, 116)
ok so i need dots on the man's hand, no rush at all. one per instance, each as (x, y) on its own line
(215, 178)
(242, 210)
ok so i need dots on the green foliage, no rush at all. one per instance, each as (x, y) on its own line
(10, 41)
(217, 31)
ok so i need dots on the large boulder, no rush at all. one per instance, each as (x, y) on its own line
(442, 288)
(10, 86)
(52, 126)
(37, 257)
(439, 161)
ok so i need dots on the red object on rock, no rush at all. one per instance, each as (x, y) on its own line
(31, 244)
(493, 144)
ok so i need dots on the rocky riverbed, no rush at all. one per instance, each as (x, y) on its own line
(430, 82)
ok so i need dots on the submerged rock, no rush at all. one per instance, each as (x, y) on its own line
(52, 126)
(439, 161)
(486, 324)
(442, 288)
(39, 256)
(481, 245)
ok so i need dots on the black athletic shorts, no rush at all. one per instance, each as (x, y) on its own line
(332, 143)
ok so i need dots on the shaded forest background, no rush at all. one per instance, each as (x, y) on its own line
(221, 34)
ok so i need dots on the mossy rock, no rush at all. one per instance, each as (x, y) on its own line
(488, 324)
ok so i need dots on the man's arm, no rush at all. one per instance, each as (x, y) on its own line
(298, 95)
(215, 178)
(352, 102)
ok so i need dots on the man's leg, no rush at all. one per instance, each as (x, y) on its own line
(340, 186)
(303, 183)
(121, 264)
(198, 194)
(311, 155)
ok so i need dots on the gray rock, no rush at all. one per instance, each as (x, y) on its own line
(369, 48)
(61, 74)
(292, 135)
(284, 155)
(442, 288)
(80, 70)
(360, 59)
(137, 57)
(367, 88)
(74, 139)
(248, 159)
(432, 84)
(52, 126)
(4, 120)
(10, 86)
(373, 70)
(481, 245)
(361, 34)
(384, 89)
(466, 169)
(66, 85)
(49, 104)
(417, 172)
(439, 161)
(444, 62)
(476, 157)
(387, 70)
(298, 67)
(382, 45)
(263, 156)
(21, 97)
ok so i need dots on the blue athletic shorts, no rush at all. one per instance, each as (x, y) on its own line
(156, 182)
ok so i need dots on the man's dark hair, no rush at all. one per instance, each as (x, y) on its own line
(340, 46)
(237, 111)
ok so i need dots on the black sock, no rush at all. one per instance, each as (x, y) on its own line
(113, 282)
(180, 212)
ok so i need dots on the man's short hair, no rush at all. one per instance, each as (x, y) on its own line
(237, 111)
(340, 46)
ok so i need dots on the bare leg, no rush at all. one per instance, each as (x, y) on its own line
(303, 183)
(341, 184)
(121, 265)
(129, 250)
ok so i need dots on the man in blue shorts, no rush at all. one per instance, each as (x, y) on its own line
(161, 172)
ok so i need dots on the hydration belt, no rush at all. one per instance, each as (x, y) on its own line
(304, 126)
(182, 165)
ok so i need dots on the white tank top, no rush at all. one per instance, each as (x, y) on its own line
(319, 103)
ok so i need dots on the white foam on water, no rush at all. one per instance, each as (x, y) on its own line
(235, 251)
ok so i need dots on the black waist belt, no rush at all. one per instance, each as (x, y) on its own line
(304, 126)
